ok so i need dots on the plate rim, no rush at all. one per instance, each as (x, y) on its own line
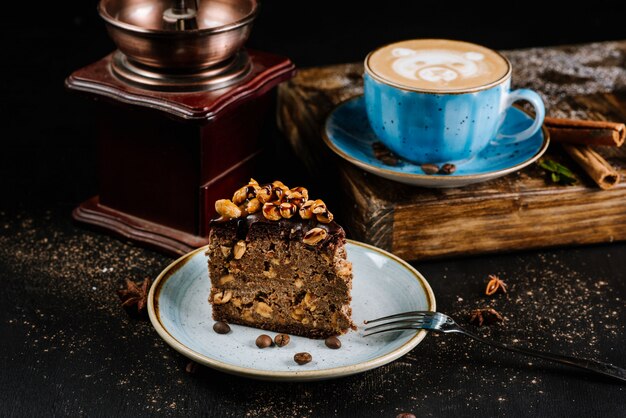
(407, 177)
(304, 375)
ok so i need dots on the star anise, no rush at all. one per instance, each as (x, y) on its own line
(135, 294)
(494, 284)
(486, 316)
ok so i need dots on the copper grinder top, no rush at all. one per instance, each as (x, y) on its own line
(178, 44)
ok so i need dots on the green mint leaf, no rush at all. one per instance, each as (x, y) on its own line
(564, 170)
(555, 178)
(558, 173)
(547, 165)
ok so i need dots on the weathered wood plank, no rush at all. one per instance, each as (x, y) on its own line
(519, 211)
(524, 221)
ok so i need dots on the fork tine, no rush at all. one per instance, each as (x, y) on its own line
(407, 327)
(402, 315)
(399, 323)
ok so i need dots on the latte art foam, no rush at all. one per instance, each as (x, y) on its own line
(437, 65)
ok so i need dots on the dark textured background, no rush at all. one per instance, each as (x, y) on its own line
(67, 349)
(46, 130)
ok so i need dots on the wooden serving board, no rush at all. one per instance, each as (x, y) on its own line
(519, 211)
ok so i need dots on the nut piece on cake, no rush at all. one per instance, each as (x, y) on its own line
(277, 261)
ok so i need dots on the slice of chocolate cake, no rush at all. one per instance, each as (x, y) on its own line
(277, 261)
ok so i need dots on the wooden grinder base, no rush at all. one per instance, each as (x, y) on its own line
(164, 157)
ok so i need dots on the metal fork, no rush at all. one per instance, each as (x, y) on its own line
(436, 321)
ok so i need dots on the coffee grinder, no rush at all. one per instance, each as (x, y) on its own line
(181, 104)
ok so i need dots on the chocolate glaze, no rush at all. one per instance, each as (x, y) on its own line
(295, 227)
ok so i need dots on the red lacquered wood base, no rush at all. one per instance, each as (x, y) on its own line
(160, 237)
(165, 157)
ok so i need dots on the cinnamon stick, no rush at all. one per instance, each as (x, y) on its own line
(594, 165)
(586, 132)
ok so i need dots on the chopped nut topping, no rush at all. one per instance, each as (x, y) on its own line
(280, 185)
(271, 211)
(264, 310)
(308, 300)
(287, 210)
(318, 207)
(325, 217)
(225, 250)
(306, 210)
(344, 269)
(280, 189)
(245, 193)
(226, 279)
(271, 273)
(314, 236)
(247, 315)
(251, 206)
(297, 314)
(320, 211)
(227, 209)
(239, 249)
(295, 198)
(222, 297)
(275, 200)
(303, 192)
(266, 194)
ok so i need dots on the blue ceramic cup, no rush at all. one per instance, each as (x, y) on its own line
(441, 101)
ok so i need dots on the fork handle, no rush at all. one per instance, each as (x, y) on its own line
(604, 369)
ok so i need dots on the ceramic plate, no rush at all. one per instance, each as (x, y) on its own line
(349, 135)
(383, 285)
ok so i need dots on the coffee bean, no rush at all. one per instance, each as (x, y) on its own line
(281, 340)
(192, 367)
(447, 168)
(430, 168)
(221, 327)
(264, 341)
(333, 342)
(405, 415)
(383, 154)
(302, 358)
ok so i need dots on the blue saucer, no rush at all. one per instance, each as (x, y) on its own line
(349, 135)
